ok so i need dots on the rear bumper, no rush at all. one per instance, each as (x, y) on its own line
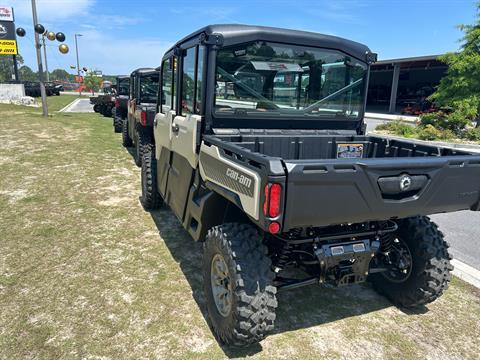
(335, 192)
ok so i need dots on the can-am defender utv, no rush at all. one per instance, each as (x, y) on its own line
(281, 175)
(138, 128)
(120, 111)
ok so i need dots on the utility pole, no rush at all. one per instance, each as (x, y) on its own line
(15, 67)
(14, 58)
(39, 61)
(78, 62)
(45, 56)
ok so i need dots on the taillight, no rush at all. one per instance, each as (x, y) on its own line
(274, 228)
(273, 196)
(143, 118)
(117, 103)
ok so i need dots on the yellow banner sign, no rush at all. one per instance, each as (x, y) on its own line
(8, 47)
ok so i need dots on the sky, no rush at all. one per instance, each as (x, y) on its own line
(120, 35)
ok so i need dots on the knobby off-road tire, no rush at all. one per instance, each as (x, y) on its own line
(96, 108)
(117, 122)
(252, 295)
(117, 125)
(430, 271)
(143, 145)
(126, 139)
(151, 198)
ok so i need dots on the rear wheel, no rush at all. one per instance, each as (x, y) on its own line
(117, 122)
(238, 284)
(150, 198)
(126, 139)
(418, 264)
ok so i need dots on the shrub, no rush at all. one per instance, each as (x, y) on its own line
(472, 134)
(432, 119)
(455, 122)
(398, 128)
(446, 134)
(429, 132)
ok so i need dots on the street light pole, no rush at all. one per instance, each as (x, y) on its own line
(39, 61)
(45, 56)
(78, 62)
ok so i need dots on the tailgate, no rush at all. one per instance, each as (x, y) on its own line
(321, 193)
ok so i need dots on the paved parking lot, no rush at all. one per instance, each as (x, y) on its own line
(80, 105)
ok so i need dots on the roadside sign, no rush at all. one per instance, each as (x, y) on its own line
(79, 79)
(8, 47)
(8, 43)
(6, 13)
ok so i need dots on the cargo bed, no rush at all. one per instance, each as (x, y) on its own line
(388, 178)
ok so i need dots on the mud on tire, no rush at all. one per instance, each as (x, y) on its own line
(430, 271)
(253, 301)
(126, 139)
(150, 198)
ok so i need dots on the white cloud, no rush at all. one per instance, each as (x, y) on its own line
(51, 10)
(118, 56)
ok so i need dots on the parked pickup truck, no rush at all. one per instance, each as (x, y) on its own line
(120, 111)
(137, 130)
(271, 180)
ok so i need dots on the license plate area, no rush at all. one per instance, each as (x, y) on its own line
(350, 151)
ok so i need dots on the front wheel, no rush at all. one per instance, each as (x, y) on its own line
(238, 284)
(417, 262)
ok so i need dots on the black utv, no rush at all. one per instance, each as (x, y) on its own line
(138, 128)
(281, 175)
(120, 111)
(105, 102)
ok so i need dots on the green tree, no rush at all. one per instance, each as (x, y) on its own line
(92, 82)
(61, 74)
(6, 67)
(460, 88)
(27, 74)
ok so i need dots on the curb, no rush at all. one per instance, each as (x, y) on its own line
(69, 106)
(466, 273)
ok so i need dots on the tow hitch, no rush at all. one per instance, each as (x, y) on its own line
(346, 263)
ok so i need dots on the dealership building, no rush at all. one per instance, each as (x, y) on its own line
(398, 83)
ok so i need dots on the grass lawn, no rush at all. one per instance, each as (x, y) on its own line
(85, 272)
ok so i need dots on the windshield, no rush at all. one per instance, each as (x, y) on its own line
(123, 86)
(149, 88)
(263, 79)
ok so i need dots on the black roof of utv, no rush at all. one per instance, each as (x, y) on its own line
(236, 33)
(143, 71)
